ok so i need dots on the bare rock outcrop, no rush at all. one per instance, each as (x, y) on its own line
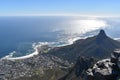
(106, 69)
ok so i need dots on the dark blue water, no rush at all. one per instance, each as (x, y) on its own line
(18, 33)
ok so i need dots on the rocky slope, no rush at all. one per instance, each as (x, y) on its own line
(107, 69)
(92, 69)
(78, 71)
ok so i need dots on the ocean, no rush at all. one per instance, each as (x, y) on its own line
(18, 33)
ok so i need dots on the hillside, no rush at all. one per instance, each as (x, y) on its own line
(38, 67)
(99, 46)
(91, 69)
(55, 65)
(78, 71)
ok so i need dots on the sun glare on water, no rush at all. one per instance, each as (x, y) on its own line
(83, 26)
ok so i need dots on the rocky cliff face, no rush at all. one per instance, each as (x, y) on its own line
(106, 69)
(78, 71)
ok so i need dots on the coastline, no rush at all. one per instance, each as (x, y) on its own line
(23, 57)
(37, 49)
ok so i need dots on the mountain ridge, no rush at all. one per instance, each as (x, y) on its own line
(99, 46)
(56, 63)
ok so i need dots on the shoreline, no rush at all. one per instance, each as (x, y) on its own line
(37, 49)
(22, 57)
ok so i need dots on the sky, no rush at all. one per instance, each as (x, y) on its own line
(60, 7)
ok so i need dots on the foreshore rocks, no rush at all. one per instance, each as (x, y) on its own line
(106, 69)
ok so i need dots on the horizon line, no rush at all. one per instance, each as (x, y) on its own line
(74, 15)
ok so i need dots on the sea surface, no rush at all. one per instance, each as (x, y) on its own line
(18, 33)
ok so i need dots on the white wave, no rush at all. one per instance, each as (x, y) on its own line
(36, 47)
(23, 57)
(72, 40)
(10, 55)
(116, 38)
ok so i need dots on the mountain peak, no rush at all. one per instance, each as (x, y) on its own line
(101, 35)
